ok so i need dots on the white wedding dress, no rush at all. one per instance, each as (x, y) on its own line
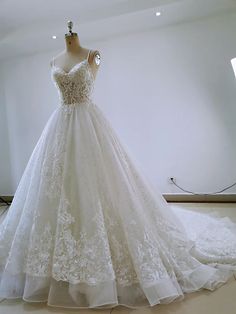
(85, 229)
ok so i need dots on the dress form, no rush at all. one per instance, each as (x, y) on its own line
(75, 53)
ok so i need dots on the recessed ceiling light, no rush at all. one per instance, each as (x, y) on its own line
(158, 13)
(54, 37)
(233, 62)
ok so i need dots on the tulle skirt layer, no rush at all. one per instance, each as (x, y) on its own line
(107, 294)
(85, 229)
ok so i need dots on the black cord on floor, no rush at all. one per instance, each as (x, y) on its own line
(193, 193)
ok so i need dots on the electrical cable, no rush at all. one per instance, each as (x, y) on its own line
(193, 193)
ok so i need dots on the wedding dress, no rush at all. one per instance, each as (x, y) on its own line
(86, 229)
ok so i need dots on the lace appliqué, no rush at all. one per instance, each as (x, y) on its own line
(121, 259)
(86, 259)
(76, 86)
(52, 168)
(217, 242)
(39, 257)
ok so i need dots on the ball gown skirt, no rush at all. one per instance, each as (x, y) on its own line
(85, 228)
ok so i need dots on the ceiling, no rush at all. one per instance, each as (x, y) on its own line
(27, 26)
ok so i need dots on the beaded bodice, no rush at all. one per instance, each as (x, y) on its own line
(76, 85)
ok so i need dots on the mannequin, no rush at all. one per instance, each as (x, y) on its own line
(75, 53)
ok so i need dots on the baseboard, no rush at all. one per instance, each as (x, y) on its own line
(180, 198)
(7, 198)
(189, 198)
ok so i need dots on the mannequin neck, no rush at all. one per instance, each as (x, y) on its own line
(72, 43)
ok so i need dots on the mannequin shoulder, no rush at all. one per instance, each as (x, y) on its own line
(95, 58)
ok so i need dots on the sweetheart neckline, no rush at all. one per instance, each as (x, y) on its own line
(68, 72)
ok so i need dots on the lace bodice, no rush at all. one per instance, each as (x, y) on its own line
(76, 85)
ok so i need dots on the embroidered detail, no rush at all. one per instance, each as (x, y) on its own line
(41, 248)
(52, 168)
(85, 258)
(75, 86)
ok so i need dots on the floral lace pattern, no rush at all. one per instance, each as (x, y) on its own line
(75, 86)
(52, 168)
(39, 261)
(214, 237)
(86, 259)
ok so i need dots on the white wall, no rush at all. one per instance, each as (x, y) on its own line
(169, 93)
(5, 163)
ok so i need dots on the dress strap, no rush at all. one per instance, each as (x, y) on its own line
(88, 54)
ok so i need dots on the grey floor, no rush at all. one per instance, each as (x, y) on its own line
(220, 301)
